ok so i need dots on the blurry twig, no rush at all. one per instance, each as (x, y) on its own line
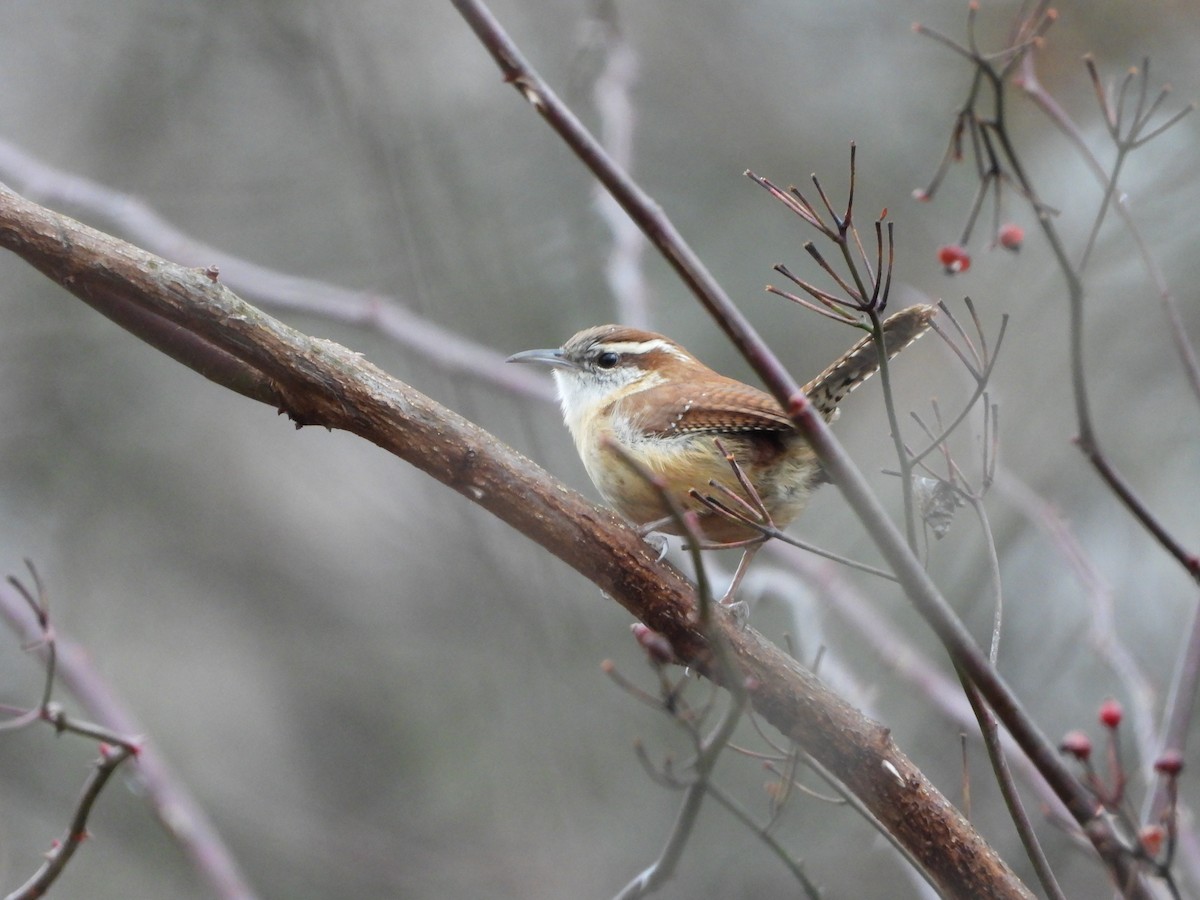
(1128, 134)
(142, 225)
(60, 854)
(979, 364)
(1029, 83)
(114, 748)
(174, 806)
(886, 640)
(1100, 618)
(611, 97)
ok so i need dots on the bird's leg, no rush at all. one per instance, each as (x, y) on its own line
(740, 609)
(753, 513)
(740, 572)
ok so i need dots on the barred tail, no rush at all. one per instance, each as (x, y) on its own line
(861, 361)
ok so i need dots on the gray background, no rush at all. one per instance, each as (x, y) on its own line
(375, 688)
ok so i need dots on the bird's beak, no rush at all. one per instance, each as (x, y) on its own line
(553, 358)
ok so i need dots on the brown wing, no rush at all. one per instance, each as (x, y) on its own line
(721, 405)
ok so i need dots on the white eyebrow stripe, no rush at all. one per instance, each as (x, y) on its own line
(642, 347)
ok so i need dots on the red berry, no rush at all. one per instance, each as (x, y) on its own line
(1170, 763)
(1078, 744)
(1152, 837)
(1111, 713)
(954, 259)
(1011, 237)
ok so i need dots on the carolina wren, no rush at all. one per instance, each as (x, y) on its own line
(645, 393)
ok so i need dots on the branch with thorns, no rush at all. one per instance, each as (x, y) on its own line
(114, 748)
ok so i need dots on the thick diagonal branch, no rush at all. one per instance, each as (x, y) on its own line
(202, 324)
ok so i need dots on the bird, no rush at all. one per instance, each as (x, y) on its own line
(627, 393)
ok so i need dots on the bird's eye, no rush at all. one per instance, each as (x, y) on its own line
(608, 359)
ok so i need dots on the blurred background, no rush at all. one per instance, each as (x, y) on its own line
(373, 687)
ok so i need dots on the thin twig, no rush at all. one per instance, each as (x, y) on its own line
(611, 95)
(1032, 87)
(390, 316)
(1012, 799)
(164, 792)
(795, 867)
(58, 857)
